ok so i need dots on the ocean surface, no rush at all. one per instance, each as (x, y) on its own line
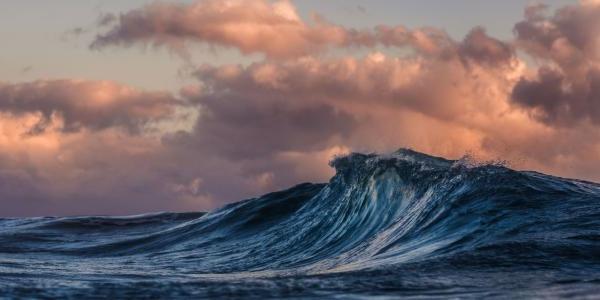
(399, 225)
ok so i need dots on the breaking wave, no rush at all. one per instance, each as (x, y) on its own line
(404, 224)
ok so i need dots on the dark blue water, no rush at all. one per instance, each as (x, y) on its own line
(399, 225)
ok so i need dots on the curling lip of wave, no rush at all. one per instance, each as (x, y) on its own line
(379, 213)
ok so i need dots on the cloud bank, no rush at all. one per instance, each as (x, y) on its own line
(81, 147)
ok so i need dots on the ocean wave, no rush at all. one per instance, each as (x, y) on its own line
(380, 214)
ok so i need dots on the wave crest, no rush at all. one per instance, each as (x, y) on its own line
(378, 211)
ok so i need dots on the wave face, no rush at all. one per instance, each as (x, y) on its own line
(404, 224)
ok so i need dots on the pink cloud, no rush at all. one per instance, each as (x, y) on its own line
(276, 122)
(271, 28)
(85, 104)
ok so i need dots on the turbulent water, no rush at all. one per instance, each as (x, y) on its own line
(399, 225)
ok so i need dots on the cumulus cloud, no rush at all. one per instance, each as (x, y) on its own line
(275, 122)
(566, 88)
(248, 126)
(107, 172)
(279, 122)
(81, 104)
(251, 26)
(482, 48)
(274, 29)
(441, 86)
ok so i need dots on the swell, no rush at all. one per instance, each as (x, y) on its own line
(378, 211)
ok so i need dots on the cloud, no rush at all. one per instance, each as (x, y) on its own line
(93, 105)
(482, 48)
(242, 126)
(566, 88)
(274, 29)
(102, 172)
(273, 118)
(81, 147)
(256, 26)
(442, 86)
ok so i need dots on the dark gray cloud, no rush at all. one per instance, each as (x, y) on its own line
(565, 90)
(556, 100)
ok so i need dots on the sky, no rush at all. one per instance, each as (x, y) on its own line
(40, 43)
(127, 107)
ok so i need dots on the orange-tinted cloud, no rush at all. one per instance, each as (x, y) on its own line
(274, 29)
(251, 26)
(85, 104)
(276, 121)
